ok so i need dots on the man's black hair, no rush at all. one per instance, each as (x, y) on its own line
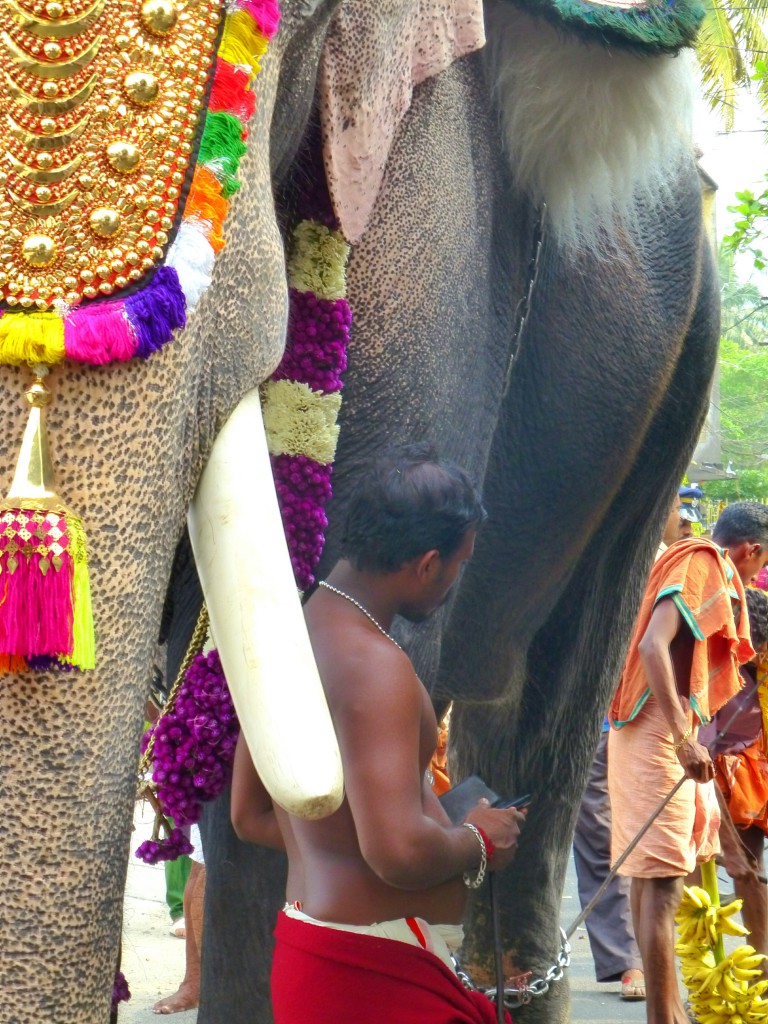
(744, 521)
(757, 606)
(405, 502)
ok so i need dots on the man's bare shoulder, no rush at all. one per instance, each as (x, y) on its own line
(360, 667)
(363, 666)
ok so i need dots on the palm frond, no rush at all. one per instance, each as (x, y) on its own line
(732, 37)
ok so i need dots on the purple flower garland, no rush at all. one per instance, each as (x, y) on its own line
(120, 992)
(315, 355)
(193, 753)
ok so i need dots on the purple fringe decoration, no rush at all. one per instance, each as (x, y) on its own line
(157, 311)
(47, 663)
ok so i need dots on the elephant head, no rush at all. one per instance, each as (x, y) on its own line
(129, 442)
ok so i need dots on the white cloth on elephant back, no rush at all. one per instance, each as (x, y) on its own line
(374, 56)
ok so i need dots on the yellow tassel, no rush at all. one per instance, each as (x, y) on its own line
(242, 43)
(31, 338)
(84, 647)
(318, 260)
(299, 421)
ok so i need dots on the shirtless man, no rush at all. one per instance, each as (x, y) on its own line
(377, 891)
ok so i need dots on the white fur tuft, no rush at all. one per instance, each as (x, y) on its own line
(596, 133)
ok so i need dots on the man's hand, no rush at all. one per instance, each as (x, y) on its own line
(502, 826)
(696, 762)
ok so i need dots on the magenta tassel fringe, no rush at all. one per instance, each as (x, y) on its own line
(266, 14)
(36, 614)
(100, 334)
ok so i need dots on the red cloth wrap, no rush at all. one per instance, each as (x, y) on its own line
(325, 976)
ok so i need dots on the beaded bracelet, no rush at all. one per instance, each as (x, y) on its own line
(477, 881)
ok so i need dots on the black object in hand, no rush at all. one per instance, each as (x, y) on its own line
(460, 800)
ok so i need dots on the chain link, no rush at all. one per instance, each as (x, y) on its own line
(522, 994)
(524, 305)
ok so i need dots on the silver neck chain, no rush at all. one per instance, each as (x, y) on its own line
(365, 611)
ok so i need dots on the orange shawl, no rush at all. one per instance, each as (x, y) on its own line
(702, 581)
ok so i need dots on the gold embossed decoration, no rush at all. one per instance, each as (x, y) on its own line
(100, 103)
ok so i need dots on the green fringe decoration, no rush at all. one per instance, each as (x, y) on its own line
(661, 26)
(222, 148)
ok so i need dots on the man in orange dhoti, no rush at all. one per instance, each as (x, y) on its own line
(683, 665)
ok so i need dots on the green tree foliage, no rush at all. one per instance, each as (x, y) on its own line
(747, 235)
(743, 386)
(731, 43)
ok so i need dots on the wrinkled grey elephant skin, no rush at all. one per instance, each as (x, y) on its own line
(578, 463)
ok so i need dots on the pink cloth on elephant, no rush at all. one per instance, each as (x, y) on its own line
(375, 55)
(642, 769)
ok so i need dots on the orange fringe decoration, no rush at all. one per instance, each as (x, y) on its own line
(206, 205)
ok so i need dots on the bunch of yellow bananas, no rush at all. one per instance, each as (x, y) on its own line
(701, 923)
(724, 992)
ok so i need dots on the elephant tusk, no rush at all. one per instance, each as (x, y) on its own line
(257, 621)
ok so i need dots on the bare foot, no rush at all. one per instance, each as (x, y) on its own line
(186, 998)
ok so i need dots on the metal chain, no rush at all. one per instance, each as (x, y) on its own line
(377, 624)
(522, 993)
(195, 646)
(524, 305)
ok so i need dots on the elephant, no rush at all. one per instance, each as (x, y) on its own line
(533, 289)
(532, 643)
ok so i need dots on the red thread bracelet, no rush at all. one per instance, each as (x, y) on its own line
(490, 848)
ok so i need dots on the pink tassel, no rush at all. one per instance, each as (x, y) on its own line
(99, 334)
(36, 613)
(265, 13)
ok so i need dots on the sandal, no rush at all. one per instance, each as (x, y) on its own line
(633, 985)
(179, 928)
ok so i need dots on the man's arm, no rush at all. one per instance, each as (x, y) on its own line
(253, 816)
(666, 622)
(379, 725)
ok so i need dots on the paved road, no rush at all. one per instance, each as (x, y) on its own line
(153, 960)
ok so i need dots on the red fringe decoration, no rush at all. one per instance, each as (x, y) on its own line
(230, 92)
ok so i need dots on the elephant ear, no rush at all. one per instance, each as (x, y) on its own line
(651, 26)
(375, 55)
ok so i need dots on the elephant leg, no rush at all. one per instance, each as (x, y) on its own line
(596, 359)
(245, 884)
(245, 891)
(543, 739)
(130, 441)
(71, 740)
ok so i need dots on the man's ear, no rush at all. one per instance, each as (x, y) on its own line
(426, 565)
